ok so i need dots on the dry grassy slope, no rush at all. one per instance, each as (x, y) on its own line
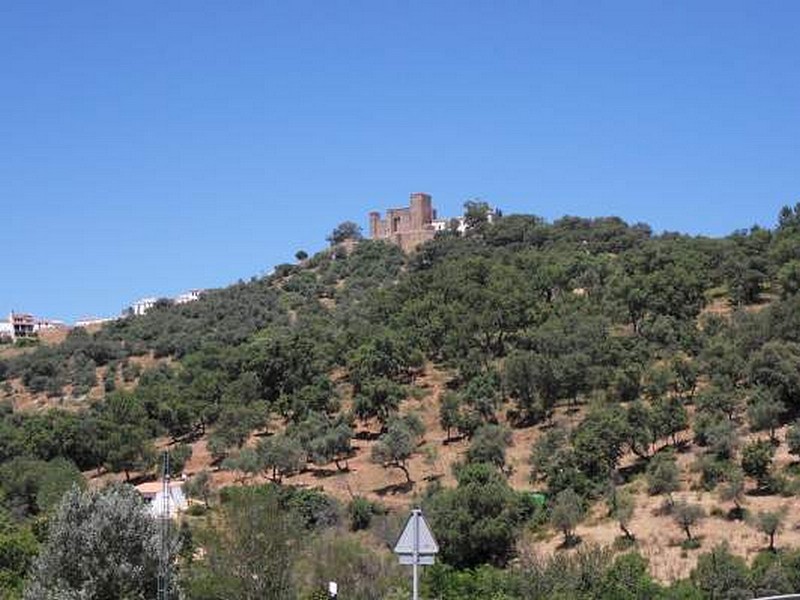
(23, 400)
(658, 537)
(48, 337)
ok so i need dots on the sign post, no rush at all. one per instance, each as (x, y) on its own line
(416, 546)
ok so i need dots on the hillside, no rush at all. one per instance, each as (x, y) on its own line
(585, 357)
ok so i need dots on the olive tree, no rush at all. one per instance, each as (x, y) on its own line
(489, 445)
(769, 523)
(663, 475)
(793, 439)
(100, 544)
(567, 513)
(687, 515)
(733, 488)
(757, 461)
(396, 446)
(250, 550)
(623, 506)
(280, 455)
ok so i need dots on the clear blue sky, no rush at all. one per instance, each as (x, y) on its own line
(150, 147)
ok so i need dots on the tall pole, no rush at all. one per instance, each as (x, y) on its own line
(416, 555)
(163, 559)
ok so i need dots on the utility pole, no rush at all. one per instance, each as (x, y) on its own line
(164, 566)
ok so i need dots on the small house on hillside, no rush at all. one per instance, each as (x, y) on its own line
(153, 494)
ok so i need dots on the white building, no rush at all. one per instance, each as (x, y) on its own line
(140, 307)
(89, 321)
(153, 494)
(189, 296)
(6, 330)
(459, 222)
(45, 324)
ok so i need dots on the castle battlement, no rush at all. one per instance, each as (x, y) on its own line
(409, 226)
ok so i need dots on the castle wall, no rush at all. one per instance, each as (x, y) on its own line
(408, 227)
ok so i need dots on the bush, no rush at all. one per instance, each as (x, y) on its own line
(196, 510)
(720, 574)
(478, 521)
(757, 461)
(361, 511)
(662, 474)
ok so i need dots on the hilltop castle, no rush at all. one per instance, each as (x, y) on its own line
(412, 225)
(408, 227)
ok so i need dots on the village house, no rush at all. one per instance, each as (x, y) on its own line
(153, 494)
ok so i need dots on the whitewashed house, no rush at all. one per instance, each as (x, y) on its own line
(140, 307)
(153, 494)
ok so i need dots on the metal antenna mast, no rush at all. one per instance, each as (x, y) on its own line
(163, 559)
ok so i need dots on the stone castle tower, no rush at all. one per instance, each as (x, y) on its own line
(408, 227)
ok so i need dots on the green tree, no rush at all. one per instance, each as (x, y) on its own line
(100, 545)
(449, 412)
(670, 418)
(489, 445)
(757, 461)
(769, 523)
(477, 522)
(776, 367)
(18, 548)
(397, 445)
(793, 438)
(476, 214)
(687, 515)
(179, 455)
(383, 357)
(734, 487)
(199, 487)
(567, 513)
(628, 579)
(218, 446)
(249, 462)
(31, 487)
(623, 506)
(482, 395)
(789, 278)
(641, 429)
(129, 448)
(362, 572)
(378, 399)
(521, 376)
(360, 510)
(333, 443)
(280, 455)
(250, 552)
(347, 230)
(663, 476)
(600, 441)
(686, 372)
(764, 413)
(722, 440)
(716, 401)
(720, 574)
(544, 450)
